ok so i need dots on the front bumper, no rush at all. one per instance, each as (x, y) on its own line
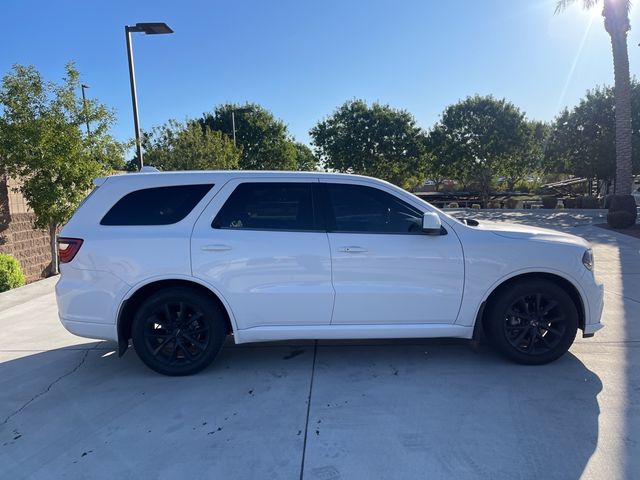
(595, 301)
(592, 328)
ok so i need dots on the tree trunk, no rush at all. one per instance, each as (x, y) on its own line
(485, 187)
(485, 194)
(53, 244)
(623, 107)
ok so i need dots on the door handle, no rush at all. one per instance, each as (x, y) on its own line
(352, 249)
(216, 248)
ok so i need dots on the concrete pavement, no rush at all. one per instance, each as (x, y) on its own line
(402, 409)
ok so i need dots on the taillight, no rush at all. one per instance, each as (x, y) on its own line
(67, 248)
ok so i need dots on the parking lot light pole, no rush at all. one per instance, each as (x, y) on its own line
(233, 120)
(233, 126)
(149, 29)
(83, 87)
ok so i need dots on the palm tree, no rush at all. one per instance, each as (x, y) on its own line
(616, 23)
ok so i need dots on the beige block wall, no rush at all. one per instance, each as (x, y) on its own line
(17, 203)
(18, 236)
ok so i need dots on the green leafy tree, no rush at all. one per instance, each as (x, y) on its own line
(477, 138)
(43, 142)
(305, 159)
(582, 139)
(617, 25)
(529, 158)
(189, 146)
(375, 140)
(438, 167)
(264, 139)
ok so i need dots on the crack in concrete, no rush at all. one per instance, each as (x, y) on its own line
(46, 390)
(306, 427)
(622, 295)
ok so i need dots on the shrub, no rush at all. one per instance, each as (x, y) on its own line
(475, 206)
(524, 186)
(453, 205)
(549, 201)
(587, 201)
(11, 275)
(620, 219)
(622, 202)
(622, 211)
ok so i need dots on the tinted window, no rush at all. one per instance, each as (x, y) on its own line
(155, 206)
(268, 206)
(356, 208)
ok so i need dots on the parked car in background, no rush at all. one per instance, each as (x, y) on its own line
(175, 262)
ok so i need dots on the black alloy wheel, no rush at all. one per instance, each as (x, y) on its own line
(178, 331)
(532, 322)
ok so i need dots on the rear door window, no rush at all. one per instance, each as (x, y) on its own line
(156, 206)
(285, 206)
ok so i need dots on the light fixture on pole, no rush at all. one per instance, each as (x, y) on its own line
(149, 29)
(83, 87)
(233, 119)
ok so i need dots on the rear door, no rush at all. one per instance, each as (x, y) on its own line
(262, 244)
(385, 270)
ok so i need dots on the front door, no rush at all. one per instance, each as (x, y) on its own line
(384, 269)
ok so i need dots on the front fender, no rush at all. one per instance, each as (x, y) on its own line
(475, 301)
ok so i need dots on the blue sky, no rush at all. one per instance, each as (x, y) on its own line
(302, 59)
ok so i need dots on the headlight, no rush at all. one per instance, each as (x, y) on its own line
(587, 259)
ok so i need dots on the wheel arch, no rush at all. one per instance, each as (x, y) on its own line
(562, 282)
(142, 291)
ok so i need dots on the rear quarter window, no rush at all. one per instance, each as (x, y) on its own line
(155, 206)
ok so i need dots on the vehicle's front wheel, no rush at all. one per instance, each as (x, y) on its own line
(178, 331)
(532, 322)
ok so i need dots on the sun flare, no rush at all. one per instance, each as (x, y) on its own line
(595, 11)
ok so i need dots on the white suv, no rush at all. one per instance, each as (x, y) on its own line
(178, 261)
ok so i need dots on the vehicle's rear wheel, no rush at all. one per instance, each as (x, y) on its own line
(532, 322)
(178, 331)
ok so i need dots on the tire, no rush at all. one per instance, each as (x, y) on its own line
(178, 331)
(532, 322)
